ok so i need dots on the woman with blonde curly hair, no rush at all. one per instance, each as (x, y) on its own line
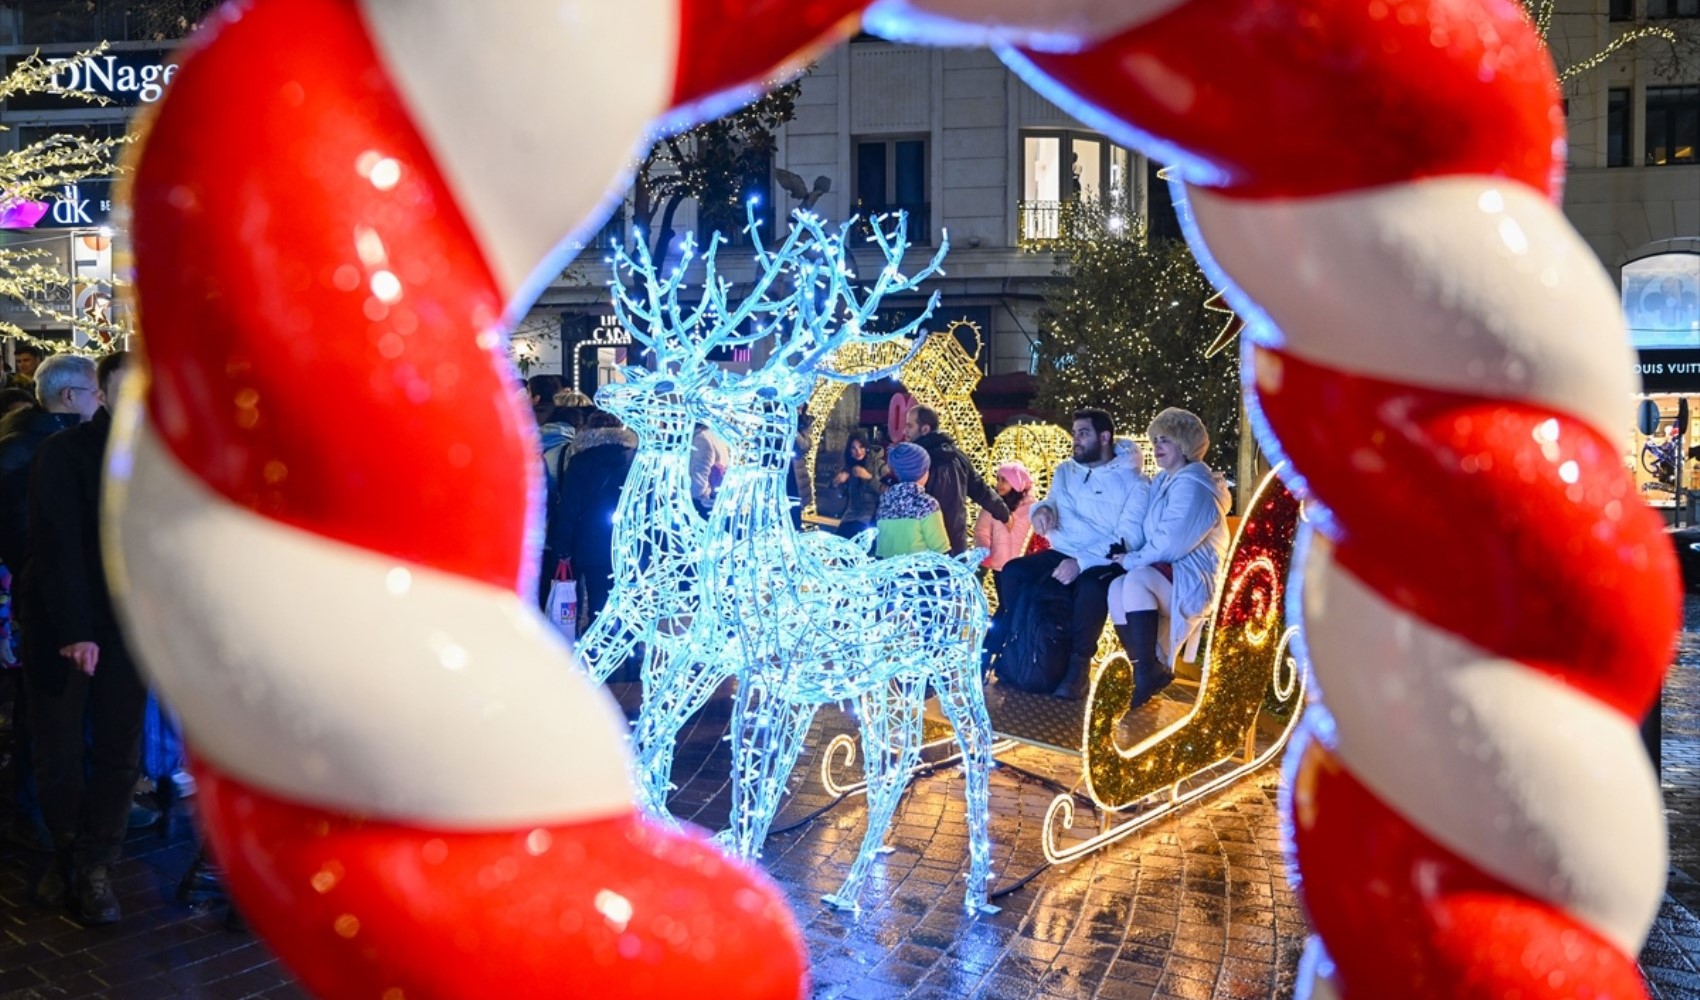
(1174, 551)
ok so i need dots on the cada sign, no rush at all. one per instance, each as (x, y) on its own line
(127, 78)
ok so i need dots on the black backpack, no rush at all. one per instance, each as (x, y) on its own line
(1035, 651)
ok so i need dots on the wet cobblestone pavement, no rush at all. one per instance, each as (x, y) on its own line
(1195, 906)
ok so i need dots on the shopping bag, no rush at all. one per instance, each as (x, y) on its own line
(562, 606)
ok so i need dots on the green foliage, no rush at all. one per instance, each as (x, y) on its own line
(709, 164)
(1125, 329)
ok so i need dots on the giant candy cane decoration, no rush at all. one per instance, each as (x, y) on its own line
(1489, 609)
(323, 514)
(340, 199)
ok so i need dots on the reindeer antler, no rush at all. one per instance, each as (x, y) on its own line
(832, 315)
(682, 338)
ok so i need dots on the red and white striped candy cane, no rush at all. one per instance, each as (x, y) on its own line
(323, 514)
(1488, 609)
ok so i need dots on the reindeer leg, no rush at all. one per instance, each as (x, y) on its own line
(767, 737)
(606, 644)
(674, 687)
(964, 704)
(891, 747)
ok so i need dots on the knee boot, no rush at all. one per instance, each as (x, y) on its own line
(1139, 638)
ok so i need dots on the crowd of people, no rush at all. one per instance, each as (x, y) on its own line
(1107, 543)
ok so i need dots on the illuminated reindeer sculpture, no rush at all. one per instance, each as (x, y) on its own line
(657, 529)
(804, 620)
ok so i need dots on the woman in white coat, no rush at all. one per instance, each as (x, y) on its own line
(1174, 552)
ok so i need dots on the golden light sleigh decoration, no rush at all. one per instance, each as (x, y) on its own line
(1248, 669)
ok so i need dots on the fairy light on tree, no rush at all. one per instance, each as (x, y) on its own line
(1126, 327)
(29, 177)
(1543, 12)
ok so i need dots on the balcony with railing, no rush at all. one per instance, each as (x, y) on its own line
(1044, 223)
(611, 235)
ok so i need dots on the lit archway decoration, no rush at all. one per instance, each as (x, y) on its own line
(1487, 608)
(940, 374)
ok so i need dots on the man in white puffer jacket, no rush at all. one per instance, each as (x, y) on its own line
(1092, 496)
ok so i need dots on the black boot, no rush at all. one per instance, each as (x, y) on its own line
(1139, 637)
(1074, 683)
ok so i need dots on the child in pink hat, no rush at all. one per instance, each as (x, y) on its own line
(1006, 541)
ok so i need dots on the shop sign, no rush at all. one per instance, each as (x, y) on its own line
(86, 204)
(1669, 370)
(600, 330)
(1661, 301)
(127, 78)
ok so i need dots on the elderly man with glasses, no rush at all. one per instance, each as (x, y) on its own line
(79, 677)
(66, 395)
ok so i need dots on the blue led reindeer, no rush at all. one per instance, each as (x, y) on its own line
(804, 619)
(655, 600)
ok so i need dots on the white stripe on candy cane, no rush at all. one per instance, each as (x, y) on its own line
(528, 181)
(1436, 727)
(1465, 284)
(340, 678)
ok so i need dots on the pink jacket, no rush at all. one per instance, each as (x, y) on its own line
(1004, 541)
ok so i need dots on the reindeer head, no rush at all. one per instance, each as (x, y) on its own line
(805, 301)
(658, 406)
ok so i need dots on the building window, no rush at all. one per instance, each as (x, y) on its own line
(1673, 125)
(1622, 10)
(1164, 222)
(1670, 8)
(1059, 168)
(1617, 128)
(891, 176)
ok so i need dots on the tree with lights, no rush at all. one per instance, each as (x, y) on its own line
(1680, 35)
(1126, 329)
(715, 165)
(29, 175)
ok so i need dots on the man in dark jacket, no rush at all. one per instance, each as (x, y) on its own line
(953, 481)
(79, 676)
(27, 357)
(590, 494)
(66, 396)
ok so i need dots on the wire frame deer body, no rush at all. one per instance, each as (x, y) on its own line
(804, 620)
(654, 604)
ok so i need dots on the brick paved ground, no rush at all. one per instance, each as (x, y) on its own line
(1197, 906)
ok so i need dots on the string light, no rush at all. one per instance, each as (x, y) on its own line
(799, 619)
(39, 171)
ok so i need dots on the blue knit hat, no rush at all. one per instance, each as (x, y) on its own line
(908, 461)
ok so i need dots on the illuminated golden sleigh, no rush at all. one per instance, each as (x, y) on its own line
(1133, 772)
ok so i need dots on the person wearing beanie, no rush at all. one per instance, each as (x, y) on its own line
(909, 519)
(954, 482)
(1006, 540)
